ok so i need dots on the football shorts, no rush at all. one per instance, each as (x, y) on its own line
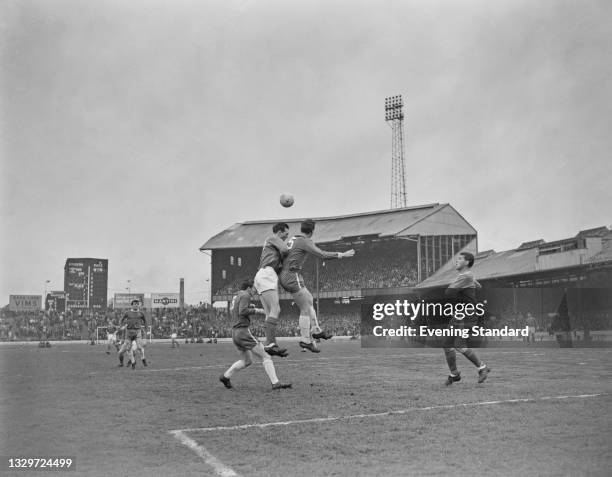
(293, 282)
(265, 279)
(243, 339)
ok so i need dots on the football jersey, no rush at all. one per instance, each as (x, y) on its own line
(274, 250)
(241, 311)
(299, 249)
(134, 320)
(463, 288)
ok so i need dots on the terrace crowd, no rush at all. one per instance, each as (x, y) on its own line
(193, 322)
(375, 265)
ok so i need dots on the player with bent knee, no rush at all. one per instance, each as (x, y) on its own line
(462, 290)
(291, 279)
(266, 283)
(244, 340)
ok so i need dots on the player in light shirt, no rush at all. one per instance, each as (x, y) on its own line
(111, 337)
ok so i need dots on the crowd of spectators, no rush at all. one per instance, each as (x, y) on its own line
(215, 323)
(362, 272)
(205, 322)
(50, 325)
(192, 323)
(385, 264)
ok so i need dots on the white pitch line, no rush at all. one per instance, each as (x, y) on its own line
(386, 413)
(219, 467)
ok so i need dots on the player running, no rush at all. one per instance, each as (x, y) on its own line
(111, 337)
(291, 279)
(462, 290)
(266, 283)
(133, 321)
(244, 340)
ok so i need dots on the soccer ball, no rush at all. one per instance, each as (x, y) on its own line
(286, 200)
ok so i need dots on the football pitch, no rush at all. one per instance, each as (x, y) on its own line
(352, 411)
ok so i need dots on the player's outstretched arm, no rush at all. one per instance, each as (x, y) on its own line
(317, 252)
(348, 254)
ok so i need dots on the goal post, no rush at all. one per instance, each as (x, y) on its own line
(99, 334)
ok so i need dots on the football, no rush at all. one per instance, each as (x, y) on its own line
(286, 200)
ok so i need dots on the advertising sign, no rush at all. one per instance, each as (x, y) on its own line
(25, 302)
(123, 300)
(165, 300)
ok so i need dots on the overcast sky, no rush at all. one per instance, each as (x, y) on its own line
(134, 131)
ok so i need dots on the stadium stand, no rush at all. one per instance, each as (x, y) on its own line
(537, 276)
(387, 245)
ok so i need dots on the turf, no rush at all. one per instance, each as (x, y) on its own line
(73, 400)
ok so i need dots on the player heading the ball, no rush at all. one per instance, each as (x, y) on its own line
(266, 283)
(291, 279)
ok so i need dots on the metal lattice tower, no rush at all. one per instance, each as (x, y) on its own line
(394, 115)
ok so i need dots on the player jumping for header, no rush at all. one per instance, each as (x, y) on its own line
(462, 290)
(291, 279)
(244, 340)
(266, 283)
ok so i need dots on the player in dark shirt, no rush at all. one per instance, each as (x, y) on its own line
(244, 340)
(300, 247)
(132, 322)
(266, 283)
(462, 290)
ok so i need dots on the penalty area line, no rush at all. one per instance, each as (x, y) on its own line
(387, 413)
(219, 467)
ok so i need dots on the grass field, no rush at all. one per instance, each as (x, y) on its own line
(360, 412)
